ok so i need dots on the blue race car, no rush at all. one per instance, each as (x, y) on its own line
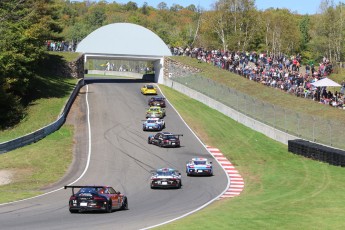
(153, 124)
(199, 166)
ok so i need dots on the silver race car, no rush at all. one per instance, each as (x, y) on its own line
(166, 178)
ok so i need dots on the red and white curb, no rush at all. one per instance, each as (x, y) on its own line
(236, 181)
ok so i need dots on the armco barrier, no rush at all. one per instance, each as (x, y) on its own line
(45, 131)
(317, 152)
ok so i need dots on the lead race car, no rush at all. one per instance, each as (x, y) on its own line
(166, 178)
(153, 124)
(96, 198)
(199, 166)
(165, 139)
(148, 89)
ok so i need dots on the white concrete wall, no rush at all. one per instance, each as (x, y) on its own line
(159, 66)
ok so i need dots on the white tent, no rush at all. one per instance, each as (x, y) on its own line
(325, 82)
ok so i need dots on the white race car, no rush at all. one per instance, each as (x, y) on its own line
(199, 166)
(154, 124)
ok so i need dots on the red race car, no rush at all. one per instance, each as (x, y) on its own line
(96, 198)
(157, 101)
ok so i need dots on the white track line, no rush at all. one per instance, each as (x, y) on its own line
(87, 163)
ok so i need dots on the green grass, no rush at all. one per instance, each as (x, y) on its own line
(49, 92)
(282, 190)
(68, 56)
(37, 165)
(39, 113)
(40, 164)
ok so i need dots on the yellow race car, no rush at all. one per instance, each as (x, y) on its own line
(148, 89)
(155, 111)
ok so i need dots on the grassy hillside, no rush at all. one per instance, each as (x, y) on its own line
(52, 89)
(282, 190)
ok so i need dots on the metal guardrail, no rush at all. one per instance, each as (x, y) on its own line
(45, 131)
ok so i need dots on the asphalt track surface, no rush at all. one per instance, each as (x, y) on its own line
(122, 158)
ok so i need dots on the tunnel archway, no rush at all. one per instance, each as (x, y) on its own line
(125, 41)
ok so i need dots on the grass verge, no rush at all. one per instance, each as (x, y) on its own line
(282, 190)
(49, 93)
(37, 165)
(39, 113)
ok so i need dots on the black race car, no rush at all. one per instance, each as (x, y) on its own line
(165, 139)
(157, 101)
(96, 198)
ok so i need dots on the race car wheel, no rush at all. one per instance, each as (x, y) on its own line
(160, 144)
(109, 207)
(149, 141)
(179, 185)
(73, 211)
(124, 205)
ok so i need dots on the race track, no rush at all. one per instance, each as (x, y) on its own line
(121, 157)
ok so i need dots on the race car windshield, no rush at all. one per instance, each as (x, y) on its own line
(199, 162)
(150, 87)
(160, 173)
(155, 109)
(151, 121)
(87, 190)
(170, 137)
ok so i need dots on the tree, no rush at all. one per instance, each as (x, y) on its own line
(162, 6)
(131, 6)
(192, 7)
(304, 29)
(25, 25)
(176, 7)
(144, 9)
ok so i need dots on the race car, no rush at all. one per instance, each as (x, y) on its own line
(157, 101)
(199, 166)
(154, 124)
(155, 111)
(148, 89)
(166, 178)
(96, 198)
(165, 139)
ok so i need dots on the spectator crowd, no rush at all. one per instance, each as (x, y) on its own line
(60, 46)
(282, 72)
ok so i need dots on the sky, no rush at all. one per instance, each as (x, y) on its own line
(299, 6)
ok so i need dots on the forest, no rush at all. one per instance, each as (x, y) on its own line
(234, 25)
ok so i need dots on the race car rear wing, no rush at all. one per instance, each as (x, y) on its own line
(81, 186)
